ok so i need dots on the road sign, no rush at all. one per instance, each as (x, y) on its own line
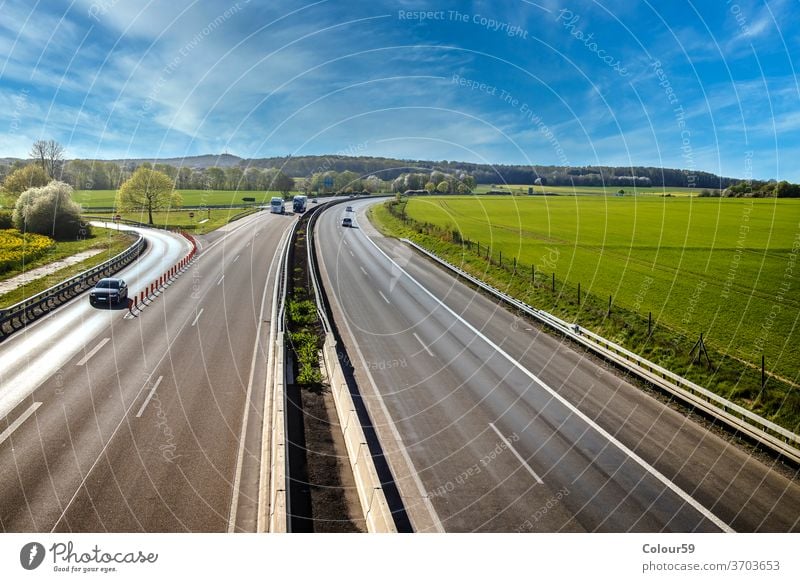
(328, 182)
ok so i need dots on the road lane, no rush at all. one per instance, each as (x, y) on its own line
(663, 473)
(145, 436)
(34, 353)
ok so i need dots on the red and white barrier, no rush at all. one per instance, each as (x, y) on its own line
(170, 274)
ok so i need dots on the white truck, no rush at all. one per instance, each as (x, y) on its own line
(276, 205)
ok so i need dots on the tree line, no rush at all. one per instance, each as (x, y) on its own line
(233, 173)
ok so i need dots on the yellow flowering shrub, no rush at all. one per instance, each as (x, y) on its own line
(17, 248)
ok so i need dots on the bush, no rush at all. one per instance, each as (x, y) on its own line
(302, 313)
(306, 346)
(49, 210)
(5, 219)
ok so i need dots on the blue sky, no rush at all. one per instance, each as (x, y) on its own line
(697, 85)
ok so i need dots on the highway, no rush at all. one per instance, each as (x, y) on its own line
(150, 423)
(491, 424)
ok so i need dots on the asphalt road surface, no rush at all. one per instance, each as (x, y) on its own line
(152, 423)
(491, 424)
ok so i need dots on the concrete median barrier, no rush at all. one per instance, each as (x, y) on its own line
(374, 506)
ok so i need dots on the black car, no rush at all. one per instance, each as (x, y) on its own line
(109, 292)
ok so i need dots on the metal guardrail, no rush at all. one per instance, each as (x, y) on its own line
(775, 437)
(21, 314)
(278, 494)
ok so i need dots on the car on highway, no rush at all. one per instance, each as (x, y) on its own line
(347, 221)
(349, 209)
(109, 291)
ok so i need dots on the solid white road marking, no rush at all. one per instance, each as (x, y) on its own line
(199, 313)
(383, 296)
(149, 396)
(96, 349)
(430, 353)
(16, 424)
(600, 430)
(220, 279)
(516, 454)
(363, 271)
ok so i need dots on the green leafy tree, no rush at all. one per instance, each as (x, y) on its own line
(147, 190)
(30, 176)
(216, 177)
(430, 187)
(282, 183)
(443, 187)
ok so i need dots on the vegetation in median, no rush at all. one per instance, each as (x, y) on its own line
(320, 478)
(627, 321)
(304, 338)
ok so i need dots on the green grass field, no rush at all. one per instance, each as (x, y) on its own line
(726, 267)
(106, 198)
(203, 221)
(522, 190)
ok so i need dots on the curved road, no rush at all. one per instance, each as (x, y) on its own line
(491, 424)
(153, 423)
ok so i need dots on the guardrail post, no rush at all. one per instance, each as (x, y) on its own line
(554, 282)
(579, 293)
(609, 306)
(649, 323)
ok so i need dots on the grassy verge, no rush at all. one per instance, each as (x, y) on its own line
(111, 242)
(202, 222)
(107, 198)
(727, 376)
